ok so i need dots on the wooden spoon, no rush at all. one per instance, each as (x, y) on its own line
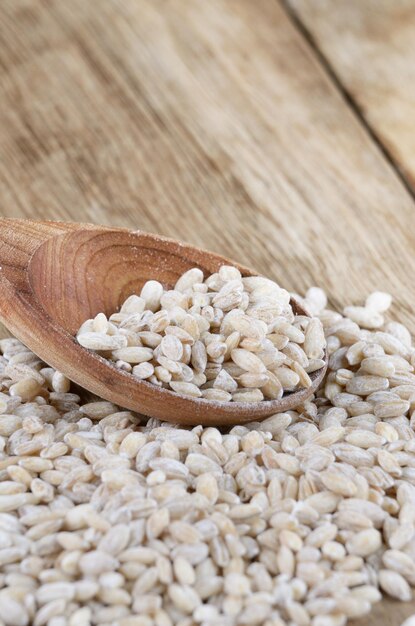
(54, 276)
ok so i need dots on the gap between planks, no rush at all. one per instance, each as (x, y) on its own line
(296, 19)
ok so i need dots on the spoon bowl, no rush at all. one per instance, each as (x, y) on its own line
(55, 275)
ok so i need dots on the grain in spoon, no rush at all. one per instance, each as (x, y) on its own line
(55, 275)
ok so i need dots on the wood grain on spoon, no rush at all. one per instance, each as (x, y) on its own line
(55, 275)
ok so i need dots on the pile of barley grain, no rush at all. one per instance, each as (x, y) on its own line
(302, 519)
(226, 338)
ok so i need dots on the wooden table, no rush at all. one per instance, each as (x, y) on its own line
(280, 134)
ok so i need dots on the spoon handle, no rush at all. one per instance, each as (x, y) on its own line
(19, 240)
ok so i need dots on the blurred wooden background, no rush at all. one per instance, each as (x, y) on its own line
(277, 133)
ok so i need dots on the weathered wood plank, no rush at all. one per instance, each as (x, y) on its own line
(183, 118)
(369, 46)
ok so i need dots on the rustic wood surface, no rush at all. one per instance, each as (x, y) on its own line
(218, 123)
(369, 46)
